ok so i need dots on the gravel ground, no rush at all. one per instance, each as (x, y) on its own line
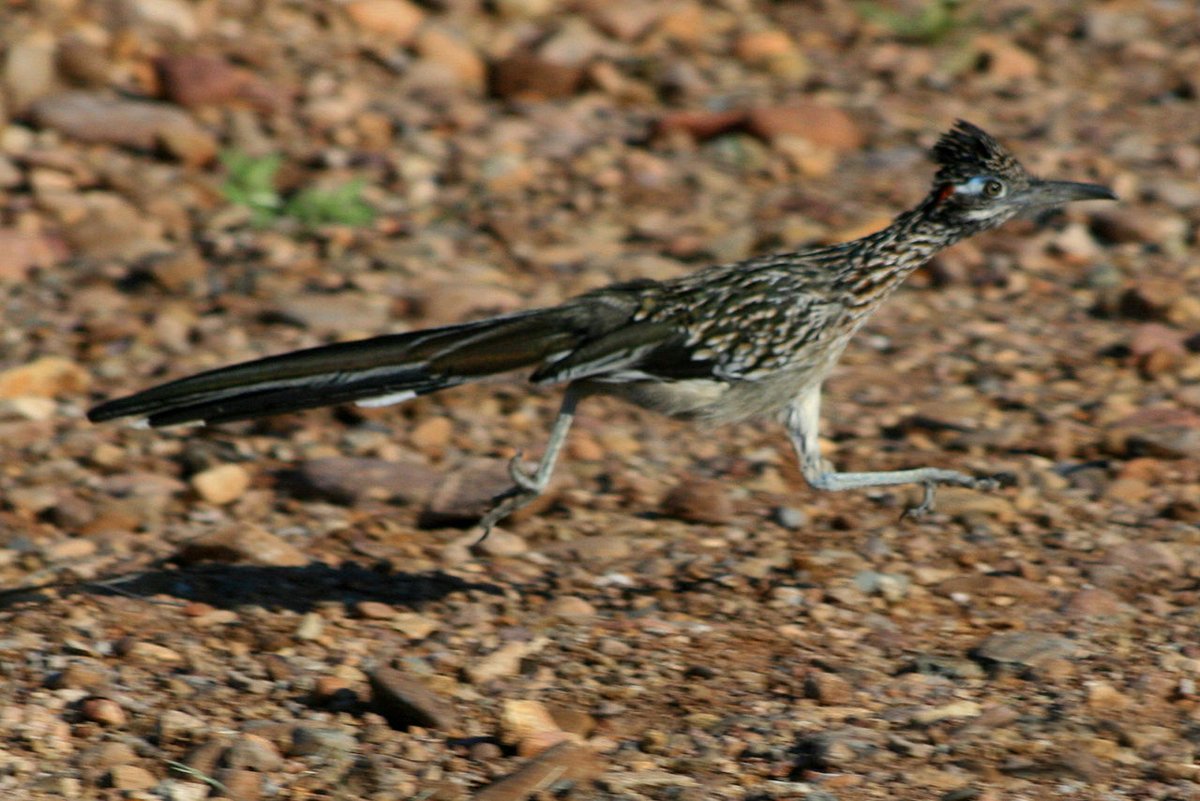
(296, 607)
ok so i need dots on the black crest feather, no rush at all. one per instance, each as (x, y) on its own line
(967, 150)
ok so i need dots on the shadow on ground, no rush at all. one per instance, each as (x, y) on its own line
(299, 589)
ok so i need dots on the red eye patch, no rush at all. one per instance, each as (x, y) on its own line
(945, 192)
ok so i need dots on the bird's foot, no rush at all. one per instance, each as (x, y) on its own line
(522, 479)
(504, 505)
(526, 487)
(926, 505)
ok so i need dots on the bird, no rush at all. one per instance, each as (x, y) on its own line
(727, 343)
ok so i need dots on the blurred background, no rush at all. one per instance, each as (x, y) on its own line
(188, 184)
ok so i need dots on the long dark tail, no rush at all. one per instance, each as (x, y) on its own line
(378, 371)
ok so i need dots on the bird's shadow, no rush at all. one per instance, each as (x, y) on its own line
(299, 589)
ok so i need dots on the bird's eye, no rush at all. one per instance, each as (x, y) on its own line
(993, 188)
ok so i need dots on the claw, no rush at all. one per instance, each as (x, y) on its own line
(925, 506)
(518, 475)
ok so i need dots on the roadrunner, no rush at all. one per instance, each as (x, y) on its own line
(726, 343)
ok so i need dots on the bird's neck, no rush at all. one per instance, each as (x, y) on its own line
(882, 260)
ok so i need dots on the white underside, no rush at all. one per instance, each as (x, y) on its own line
(386, 400)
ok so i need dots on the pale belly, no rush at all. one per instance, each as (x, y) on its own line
(710, 400)
(719, 401)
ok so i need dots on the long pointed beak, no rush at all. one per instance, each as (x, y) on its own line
(1052, 193)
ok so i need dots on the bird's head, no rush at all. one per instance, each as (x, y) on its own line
(980, 185)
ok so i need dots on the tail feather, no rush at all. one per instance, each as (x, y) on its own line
(385, 369)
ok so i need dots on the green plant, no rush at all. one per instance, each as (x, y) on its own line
(250, 182)
(931, 23)
(339, 205)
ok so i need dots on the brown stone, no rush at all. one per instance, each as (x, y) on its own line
(565, 761)
(824, 126)
(407, 701)
(395, 20)
(45, 377)
(243, 543)
(222, 484)
(699, 501)
(527, 76)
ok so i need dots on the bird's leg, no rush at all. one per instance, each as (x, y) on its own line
(802, 420)
(528, 486)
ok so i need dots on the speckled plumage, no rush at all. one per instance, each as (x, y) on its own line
(725, 343)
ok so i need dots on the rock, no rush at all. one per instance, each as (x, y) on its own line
(960, 502)
(1147, 560)
(498, 543)
(1159, 432)
(528, 722)
(394, 20)
(1127, 490)
(91, 117)
(194, 80)
(222, 484)
(467, 493)
(1157, 348)
(1024, 648)
(775, 51)
(176, 725)
(21, 252)
(311, 627)
(624, 21)
(1003, 61)
(103, 710)
(1102, 696)
(245, 544)
(406, 701)
(432, 434)
(837, 749)
(602, 548)
(110, 227)
(440, 47)
(106, 755)
(1101, 605)
(572, 720)
(350, 481)
(823, 126)
(699, 501)
(46, 377)
(413, 625)
(252, 752)
(951, 667)
(82, 675)
(566, 761)
(1122, 225)
(239, 783)
(130, 778)
(504, 661)
(701, 125)
(83, 62)
(789, 517)
(570, 608)
(954, 709)
(828, 688)
(175, 16)
(145, 651)
(892, 587)
(374, 610)
(526, 76)
(1115, 26)
(342, 313)
(993, 586)
(334, 745)
(29, 67)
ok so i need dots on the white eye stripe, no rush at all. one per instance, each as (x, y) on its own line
(983, 185)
